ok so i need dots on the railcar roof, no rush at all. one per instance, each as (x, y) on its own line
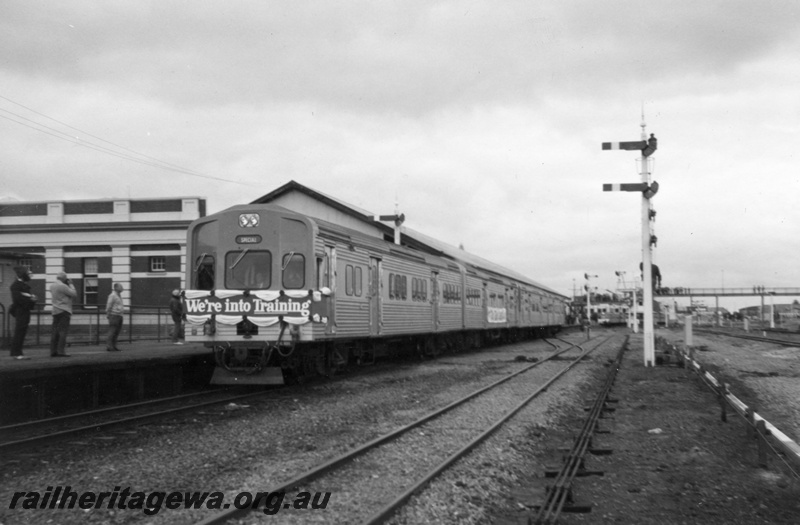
(409, 237)
(470, 259)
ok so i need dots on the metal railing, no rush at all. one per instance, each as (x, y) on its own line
(88, 325)
(723, 292)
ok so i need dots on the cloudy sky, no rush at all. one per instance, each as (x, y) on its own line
(483, 120)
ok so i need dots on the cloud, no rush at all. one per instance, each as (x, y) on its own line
(482, 120)
(406, 57)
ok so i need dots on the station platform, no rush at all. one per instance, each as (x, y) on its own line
(92, 378)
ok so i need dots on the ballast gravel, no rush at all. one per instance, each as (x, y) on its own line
(252, 446)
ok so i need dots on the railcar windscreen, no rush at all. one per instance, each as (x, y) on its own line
(248, 270)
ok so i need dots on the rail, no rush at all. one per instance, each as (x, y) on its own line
(88, 325)
(384, 513)
(560, 491)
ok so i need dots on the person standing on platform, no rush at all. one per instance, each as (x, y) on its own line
(176, 310)
(115, 307)
(63, 294)
(22, 302)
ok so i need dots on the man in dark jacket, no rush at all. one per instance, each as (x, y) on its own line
(22, 302)
(176, 311)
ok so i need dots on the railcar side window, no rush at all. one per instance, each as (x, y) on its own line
(398, 286)
(348, 280)
(358, 289)
(352, 280)
(248, 270)
(294, 271)
(416, 289)
(419, 289)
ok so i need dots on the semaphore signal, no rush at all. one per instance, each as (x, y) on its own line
(648, 190)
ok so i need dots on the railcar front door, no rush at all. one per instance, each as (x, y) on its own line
(374, 296)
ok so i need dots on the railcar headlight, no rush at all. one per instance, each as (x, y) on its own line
(249, 220)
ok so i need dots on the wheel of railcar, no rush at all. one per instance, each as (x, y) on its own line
(431, 347)
(419, 349)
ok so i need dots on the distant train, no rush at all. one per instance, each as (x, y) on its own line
(278, 295)
(612, 318)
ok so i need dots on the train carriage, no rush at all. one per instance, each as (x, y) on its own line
(278, 294)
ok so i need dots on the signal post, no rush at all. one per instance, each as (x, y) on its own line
(648, 190)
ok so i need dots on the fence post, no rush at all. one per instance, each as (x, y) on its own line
(749, 415)
(761, 428)
(722, 391)
(687, 330)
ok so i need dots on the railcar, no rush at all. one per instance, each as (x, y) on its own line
(613, 318)
(277, 295)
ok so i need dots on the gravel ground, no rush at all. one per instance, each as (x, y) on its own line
(249, 447)
(674, 461)
(696, 469)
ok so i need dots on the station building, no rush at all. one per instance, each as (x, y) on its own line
(140, 243)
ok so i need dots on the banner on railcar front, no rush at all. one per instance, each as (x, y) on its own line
(263, 308)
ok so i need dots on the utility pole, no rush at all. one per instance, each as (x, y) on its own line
(648, 190)
(588, 289)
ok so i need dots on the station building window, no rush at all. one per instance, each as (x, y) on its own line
(90, 282)
(158, 263)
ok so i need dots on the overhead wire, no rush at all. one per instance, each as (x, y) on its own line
(137, 157)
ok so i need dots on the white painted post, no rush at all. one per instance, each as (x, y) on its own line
(687, 330)
(647, 147)
(772, 310)
(647, 264)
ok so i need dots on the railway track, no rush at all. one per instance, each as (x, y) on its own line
(23, 436)
(559, 494)
(451, 432)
